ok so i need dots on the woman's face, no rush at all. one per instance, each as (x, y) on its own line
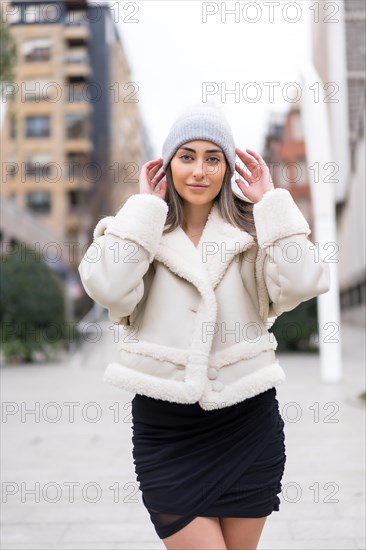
(198, 163)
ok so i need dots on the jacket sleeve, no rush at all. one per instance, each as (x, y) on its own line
(124, 245)
(291, 269)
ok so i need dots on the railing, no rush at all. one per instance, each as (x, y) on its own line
(76, 19)
(71, 57)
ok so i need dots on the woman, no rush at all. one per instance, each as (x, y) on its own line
(194, 276)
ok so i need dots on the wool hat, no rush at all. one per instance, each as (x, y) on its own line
(204, 122)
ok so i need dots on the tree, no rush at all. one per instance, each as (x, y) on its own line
(32, 308)
(297, 330)
(8, 53)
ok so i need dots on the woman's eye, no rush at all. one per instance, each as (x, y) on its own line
(209, 158)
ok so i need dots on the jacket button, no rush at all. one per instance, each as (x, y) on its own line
(217, 385)
(212, 373)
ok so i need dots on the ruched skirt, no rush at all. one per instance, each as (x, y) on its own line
(190, 462)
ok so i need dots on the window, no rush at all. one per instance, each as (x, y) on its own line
(37, 126)
(49, 13)
(38, 166)
(74, 165)
(77, 55)
(76, 18)
(77, 125)
(39, 202)
(14, 15)
(42, 13)
(74, 200)
(36, 50)
(276, 131)
(31, 13)
(76, 89)
(75, 92)
(36, 90)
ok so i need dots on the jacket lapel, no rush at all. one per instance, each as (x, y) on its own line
(205, 264)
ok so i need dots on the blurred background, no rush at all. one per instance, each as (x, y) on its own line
(89, 90)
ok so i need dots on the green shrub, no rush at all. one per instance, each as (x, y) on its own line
(297, 330)
(32, 308)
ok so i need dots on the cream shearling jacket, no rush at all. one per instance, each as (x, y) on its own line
(193, 321)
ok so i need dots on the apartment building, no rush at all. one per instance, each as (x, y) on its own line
(285, 154)
(339, 56)
(72, 140)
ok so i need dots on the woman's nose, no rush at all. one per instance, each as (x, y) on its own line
(198, 169)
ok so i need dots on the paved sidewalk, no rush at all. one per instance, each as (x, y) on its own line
(68, 476)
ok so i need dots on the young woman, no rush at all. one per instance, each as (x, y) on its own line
(195, 275)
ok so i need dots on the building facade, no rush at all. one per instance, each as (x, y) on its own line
(72, 137)
(285, 154)
(339, 56)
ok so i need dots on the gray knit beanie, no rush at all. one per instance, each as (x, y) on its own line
(200, 122)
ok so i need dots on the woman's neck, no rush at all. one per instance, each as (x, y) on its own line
(195, 217)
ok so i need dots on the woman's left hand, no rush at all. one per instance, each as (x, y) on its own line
(259, 178)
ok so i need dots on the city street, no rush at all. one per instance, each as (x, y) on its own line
(68, 478)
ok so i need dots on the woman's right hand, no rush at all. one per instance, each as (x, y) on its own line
(149, 180)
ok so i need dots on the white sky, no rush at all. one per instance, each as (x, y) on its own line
(172, 52)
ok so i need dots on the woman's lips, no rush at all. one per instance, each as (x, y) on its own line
(197, 186)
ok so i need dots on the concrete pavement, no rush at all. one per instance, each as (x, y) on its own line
(68, 479)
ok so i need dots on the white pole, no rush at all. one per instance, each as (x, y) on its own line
(319, 156)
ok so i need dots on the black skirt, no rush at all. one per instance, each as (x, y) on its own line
(191, 462)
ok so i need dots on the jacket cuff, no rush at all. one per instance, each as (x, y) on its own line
(276, 216)
(141, 220)
(101, 226)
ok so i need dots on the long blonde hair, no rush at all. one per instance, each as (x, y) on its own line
(233, 210)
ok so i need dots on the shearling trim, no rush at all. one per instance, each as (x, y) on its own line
(101, 226)
(136, 382)
(263, 296)
(248, 386)
(141, 220)
(243, 350)
(189, 392)
(276, 216)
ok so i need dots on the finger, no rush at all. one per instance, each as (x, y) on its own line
(255, 170)
(241, 172)
(159, 177)
(161, 191)
(153, 171)
(249, 162)
(155, 181)
(163, 186)
(248, 157)
(243, 154)
(239, 183)
(154, 166)
(256, 156)
(239, 152)
(152, 163)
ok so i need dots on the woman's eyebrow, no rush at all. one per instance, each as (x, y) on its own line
(207, 151)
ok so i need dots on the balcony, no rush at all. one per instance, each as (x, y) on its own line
(77, 62)
(76, 25)
(77, 171)
(77, 133)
